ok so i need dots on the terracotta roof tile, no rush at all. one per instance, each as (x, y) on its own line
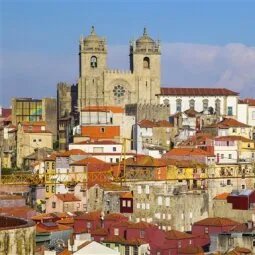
(249, 101)
(229, 122)
(222, 196)
(88, 161)
(89, 216)
(100, 232)
(121, 223)
(164, 123)
(241, 250)
(67, 221)
(97, 142)
(115, 217)
(146, 124)
(197, 92)
(40, 228)
(126, 195)
(187, 152)
(145, 161)
(71, 152)
(217, 221)
(114, 109)
(141, 225)
(6, 112)
(178, 235)
(120, 240)
(68, 197)
(233, 138)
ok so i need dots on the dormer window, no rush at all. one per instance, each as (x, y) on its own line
(93, 62)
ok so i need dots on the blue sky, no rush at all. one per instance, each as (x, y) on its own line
(204, 43)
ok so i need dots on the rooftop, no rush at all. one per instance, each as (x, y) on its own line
(68, 197)
(217, 221)
(227, 123)
(87, 161)
(187, 152)
(113, 109)
(178, 235)
(145, 161)
(222, 196)
(197, 92)
(71, 153)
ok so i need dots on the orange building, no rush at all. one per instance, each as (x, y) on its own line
(101, 132)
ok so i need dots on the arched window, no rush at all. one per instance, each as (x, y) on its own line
(178, 105)
(205, 104)
(146, 63)
(93, 62)
(166, 101)
(192, 104)
(217, 106)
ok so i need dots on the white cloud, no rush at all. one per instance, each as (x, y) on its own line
(187, 65)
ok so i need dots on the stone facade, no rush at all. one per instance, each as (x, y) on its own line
(99, 86)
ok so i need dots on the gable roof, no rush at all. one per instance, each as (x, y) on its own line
(145, 161)
(71, 152)
(87, 161)
(233, 138)
(197, 92)
(188, 152)
(222, 196)
(229, 122)
(217, 221)
(68, 197)
(141, 225)
(249, 101)
(178, 235)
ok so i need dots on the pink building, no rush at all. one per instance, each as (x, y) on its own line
(63, 203)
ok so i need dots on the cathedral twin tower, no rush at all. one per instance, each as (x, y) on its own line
(100, 86)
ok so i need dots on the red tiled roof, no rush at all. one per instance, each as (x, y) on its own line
(115, 217)
(241, 250)
(89, 216)
(222, 196)
(126, 195)
(40, 228)
(233, 138)
(197, 139)
(114, 109)
(216, 222)
(249, 101)
(178, 235)
(43, 216)
(100, 232)
(145, 161)
(71, 152)
(68, 197)
(141, 225)
(228, 122)
(146, 124)
(120, 240)
(52, 157)
(197, 92)
(87, 161)
(121, 224)
(68, 221)
(164, 123)
(187, 152)
(38, 131)
(6, 112)
(183, 163)
(191, 113)
(25, 212)
(11, 197)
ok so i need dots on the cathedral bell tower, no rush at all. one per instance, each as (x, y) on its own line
(92, 63)
(145, 65)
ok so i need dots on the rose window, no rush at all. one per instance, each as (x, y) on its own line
(119, 91)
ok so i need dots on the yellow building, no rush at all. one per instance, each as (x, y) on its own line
(31, 136)
(50, 171)
(188, 171)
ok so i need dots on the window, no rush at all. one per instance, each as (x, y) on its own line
(192, 104)
(205, 104)
(117, 160)
(234, 130)
(190, 242)
(179, 244)
(143, 205)
(47, 188)
(146, 63)
(138, 205)
(135, 250)
(230, 110)
(243, 186)
(53, 204)
(148, 206)
(253, 115)
(128, 203)
(139, 189)
(93, 62)
(229, 156)
(116, 231)
(147, 189)
(142, 234)
(217, 106)
(169, 216)
(34, 140)
(111, 160)
(167, 201)
(206, 230)
(88, 224)
(159, 200)
(249, 145)
(253, 242)
(40, 140)
(178, 105)
(228, 182)
(53, 189)
(190, 215)
(102, 130)
(127, 250)
(222, 156)
(124, 203)
(114, 149)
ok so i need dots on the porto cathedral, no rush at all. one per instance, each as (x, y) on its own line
(99, 85)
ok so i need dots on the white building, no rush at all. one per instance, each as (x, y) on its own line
(105, 150)
(223, 101)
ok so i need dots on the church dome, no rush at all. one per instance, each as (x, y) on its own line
(144, 40)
